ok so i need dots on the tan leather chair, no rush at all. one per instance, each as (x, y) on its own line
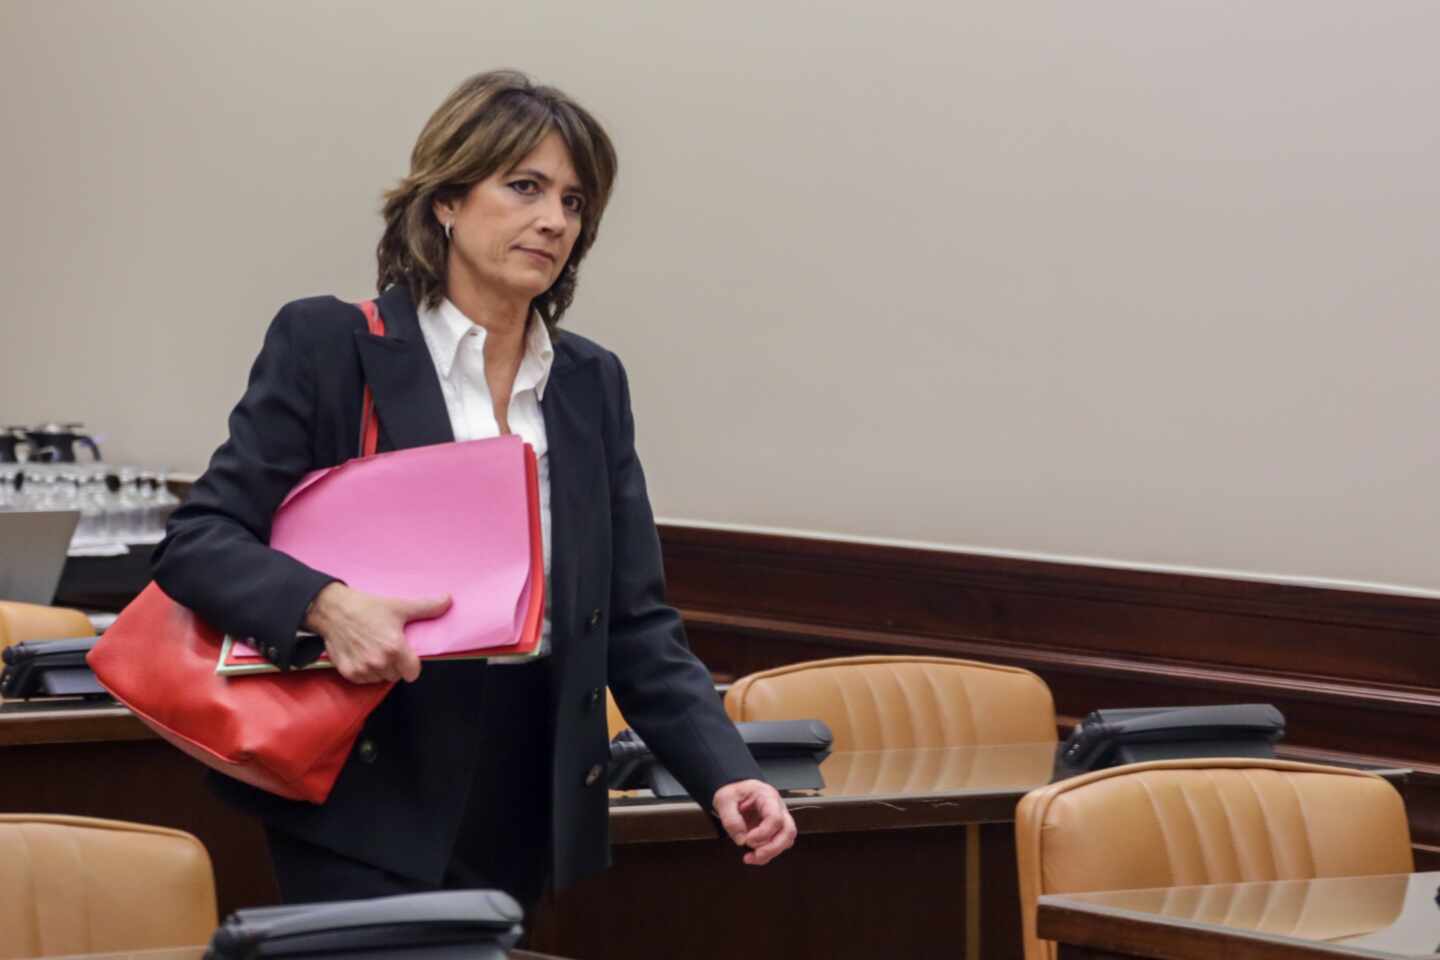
(75, 885)
(873, 703)
(1179, 823)
(614, 719)
(20, 622)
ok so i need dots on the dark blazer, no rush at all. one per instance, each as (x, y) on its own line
(523, 744)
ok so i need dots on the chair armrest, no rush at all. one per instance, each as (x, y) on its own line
(20, 622)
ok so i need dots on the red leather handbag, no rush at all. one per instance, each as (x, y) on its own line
(288, 733)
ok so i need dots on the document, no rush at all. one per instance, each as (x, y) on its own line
(454, 518)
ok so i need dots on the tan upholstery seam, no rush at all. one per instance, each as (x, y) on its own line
(914, 770)
(875, 708)
(1314, 870)
(898, 679)
(942, 704)
(1230, 822)
(1210, 872)
(849, 713)
(1248, 776)
(738, 692)
(970, 709)
(1160, 820)
(37, 933)
(83, 894)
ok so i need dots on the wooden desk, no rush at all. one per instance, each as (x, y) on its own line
(1374, 917)
(891, 861)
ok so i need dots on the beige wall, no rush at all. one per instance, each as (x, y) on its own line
(1143, 282)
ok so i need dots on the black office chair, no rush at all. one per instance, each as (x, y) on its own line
(446, 925)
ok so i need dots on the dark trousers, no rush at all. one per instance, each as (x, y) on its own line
(311, 874)
(504, 837)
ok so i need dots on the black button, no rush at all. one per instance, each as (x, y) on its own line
(367, 751)
(592, 699)
(594, 618)
(593, 775)
(271, 652)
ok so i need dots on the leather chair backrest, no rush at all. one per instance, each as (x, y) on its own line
(22, 622)
(614, 720)
(76, 885)
(1178, 823)
(873, 703)
(1010, 767)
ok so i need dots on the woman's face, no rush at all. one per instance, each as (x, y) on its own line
(513, 232)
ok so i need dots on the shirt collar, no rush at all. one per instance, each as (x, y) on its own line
(445, 327)
(539, 357)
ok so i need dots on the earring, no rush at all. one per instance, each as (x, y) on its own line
(447, 232)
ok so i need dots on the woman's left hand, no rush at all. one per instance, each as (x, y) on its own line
(754, 816)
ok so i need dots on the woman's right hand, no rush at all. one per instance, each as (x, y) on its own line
(365, 634)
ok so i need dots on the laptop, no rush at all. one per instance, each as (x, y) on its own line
(33, 544)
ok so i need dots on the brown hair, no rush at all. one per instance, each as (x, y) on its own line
(490, 122)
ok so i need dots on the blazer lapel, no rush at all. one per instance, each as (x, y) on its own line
(401, 375)
(571, 407)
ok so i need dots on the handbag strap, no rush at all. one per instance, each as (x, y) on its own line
(369, 426)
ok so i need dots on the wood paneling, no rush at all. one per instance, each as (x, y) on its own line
(1356, 674)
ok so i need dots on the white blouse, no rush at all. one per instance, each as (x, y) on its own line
(458, 348)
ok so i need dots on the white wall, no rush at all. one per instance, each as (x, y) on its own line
(1138, 281)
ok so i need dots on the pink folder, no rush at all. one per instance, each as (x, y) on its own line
(456, 518)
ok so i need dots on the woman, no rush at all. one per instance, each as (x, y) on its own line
(468, 774)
